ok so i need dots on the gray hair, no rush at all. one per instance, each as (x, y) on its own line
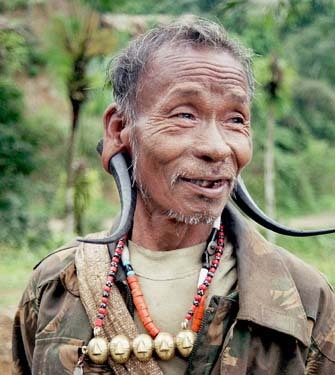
(125, 71)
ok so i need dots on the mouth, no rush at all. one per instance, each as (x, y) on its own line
(209, 188)
(208, 184)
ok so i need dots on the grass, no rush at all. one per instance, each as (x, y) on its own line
(15, 269)
(317, 251)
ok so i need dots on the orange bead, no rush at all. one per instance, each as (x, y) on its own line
(145, 319)
(152, 329)
(198, 315)
(137, 293)
(132, 279)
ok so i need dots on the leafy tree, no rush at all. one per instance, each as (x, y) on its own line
(77, 38)
(16, 152)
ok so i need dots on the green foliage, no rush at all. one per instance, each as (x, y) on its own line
(298, 33)
(10, 5)
(317, 251)
(315, 101)
(13, 52)
(16, 162)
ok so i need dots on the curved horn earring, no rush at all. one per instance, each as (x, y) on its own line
(120, 168)
(242, 198)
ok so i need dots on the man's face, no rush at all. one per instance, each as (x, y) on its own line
(192, 133)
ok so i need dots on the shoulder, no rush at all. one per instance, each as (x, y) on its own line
(318, 299)
(312, 285)
(48, 270)
(54, 263)
(57, 267)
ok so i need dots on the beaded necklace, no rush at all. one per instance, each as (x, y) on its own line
(163, 343)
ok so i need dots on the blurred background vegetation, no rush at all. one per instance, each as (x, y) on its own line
(53, 58)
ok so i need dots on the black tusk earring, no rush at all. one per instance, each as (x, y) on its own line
(242, 198)
(120, 168)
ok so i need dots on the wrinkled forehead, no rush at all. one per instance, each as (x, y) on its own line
(188, 69)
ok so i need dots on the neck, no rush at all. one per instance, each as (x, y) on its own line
(157, 231)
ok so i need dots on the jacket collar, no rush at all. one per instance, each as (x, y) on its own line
(268, 295)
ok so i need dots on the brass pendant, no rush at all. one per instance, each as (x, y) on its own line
(143, 347)
(164, 346)
(119, 348)
(97, 350)
(185, 340)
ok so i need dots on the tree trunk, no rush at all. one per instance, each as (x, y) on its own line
(70, 172)
(269, 170)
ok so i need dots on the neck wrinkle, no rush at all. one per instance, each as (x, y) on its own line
(159, 232)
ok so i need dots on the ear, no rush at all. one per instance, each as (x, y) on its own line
(116, 135)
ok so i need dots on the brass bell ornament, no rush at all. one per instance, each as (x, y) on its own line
(119, 349)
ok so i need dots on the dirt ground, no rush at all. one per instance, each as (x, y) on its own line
(6, 344)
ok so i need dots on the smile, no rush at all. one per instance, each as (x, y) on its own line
(209, 188)
(209, 184)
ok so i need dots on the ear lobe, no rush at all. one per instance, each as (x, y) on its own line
(114, 142)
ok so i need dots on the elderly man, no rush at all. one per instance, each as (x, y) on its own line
(189, 286)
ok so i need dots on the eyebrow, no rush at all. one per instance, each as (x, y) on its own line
(239, 97)
(185, 91)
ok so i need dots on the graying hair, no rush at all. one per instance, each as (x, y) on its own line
(125, 71)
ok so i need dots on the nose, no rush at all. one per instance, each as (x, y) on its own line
(211, 144)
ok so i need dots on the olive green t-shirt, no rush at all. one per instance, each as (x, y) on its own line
(169, 283)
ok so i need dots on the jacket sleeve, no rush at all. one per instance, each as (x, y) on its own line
(24, 329)
(318, 362)
(321, 357)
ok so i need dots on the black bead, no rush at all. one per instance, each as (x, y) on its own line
(128, 268)
(109, 283)
(100, 316)
(103, 305)
(105, 294)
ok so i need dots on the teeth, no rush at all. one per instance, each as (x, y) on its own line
(202, 183)
(206, 183)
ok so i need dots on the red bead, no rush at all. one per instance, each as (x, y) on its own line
(118, 251)
(188, 317)
(197, 298)
(107, 289)
(116, 259)
(193, 308)
(113, 269)
(104, 299)
(215, 261)
(212, 269)
(99, 322)
(102, 311)
(208, 278)
(202, 287)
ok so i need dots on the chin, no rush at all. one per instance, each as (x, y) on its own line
(192, 219)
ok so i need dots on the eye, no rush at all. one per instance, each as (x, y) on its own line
(187, 116)
(238, 120)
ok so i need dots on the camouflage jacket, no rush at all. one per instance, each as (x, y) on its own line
(281, 320)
